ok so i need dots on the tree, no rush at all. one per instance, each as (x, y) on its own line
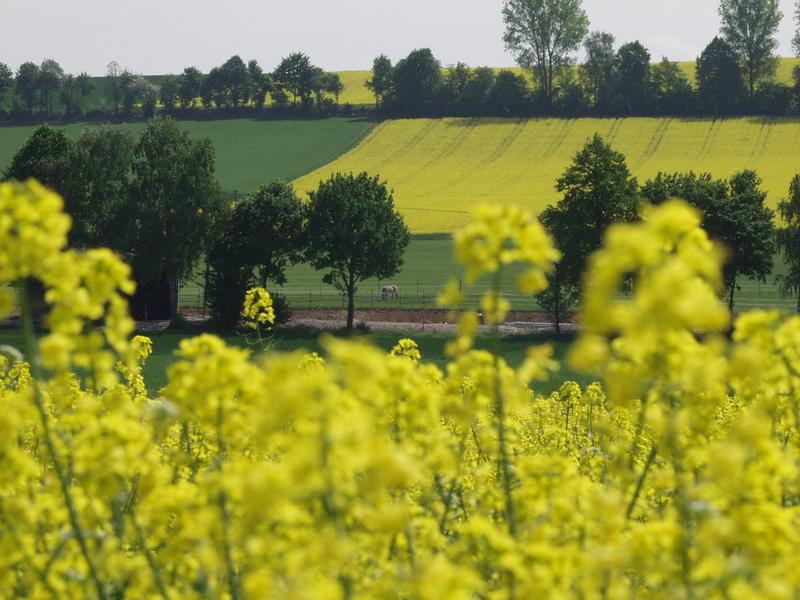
(213, 88)
(671, 88)
(68, 95)
(510, 94)
(332, 84)
(796, 38)
(190, 85)
(733, 214)
(478, 90)
(84, 86)
(749, 26)
(27, 84)
(174, 200)
(416, 80)
(113, 84)
(288, 75)
(632, 74)
(542, 34)
(598, 70)
(452, 90)
(236, 80)
(128, 90)
(259, 239)
(354, 233)
(168, 92)
(51, 77)
(720, 84)
(102, 167)
(746, 226)
(562, 293)
(260, 83)
(6, 81)
(788, 241)
(380, 83)
(598, 190)
(48, 155)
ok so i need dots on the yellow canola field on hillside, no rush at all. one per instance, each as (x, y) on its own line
(441, 168)
(356, 93)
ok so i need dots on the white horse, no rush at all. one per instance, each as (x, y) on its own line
(390, 291)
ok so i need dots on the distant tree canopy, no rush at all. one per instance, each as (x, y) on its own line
(542, 34)
(734, 214)
(720, 83)
(749, 27)
(734, 75)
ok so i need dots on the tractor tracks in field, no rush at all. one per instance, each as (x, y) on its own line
(655, 142)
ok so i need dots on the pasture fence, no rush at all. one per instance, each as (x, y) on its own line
(750, 295)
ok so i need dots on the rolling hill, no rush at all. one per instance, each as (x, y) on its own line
(441, 168)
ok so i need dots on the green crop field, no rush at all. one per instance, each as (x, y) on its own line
(249, 152)
(442, 168)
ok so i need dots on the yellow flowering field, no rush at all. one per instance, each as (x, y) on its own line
(359, 474)
(441, 169)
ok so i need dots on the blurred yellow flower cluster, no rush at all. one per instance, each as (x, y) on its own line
(257, 311)
(374, 475)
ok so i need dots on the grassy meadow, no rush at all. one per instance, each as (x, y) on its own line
(441, 168)
(432, 346)
(249, 152)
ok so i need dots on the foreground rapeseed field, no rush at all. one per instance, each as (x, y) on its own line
(441, 169)
(366, 475)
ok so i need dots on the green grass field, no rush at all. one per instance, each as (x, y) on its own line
(512, 348)
(429, 264)
(249, 152)
(441, 168)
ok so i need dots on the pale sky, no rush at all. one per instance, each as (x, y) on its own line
(164, 36)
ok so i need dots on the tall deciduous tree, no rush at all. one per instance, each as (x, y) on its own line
(27, 84)
(354, 233)
(380, 83)
(749, 26)
(288, 76)
(543, 34)
(416, 80)
(174, 200)
(6, 81)
(102, 167)
(190, 86)
(788, 238)
(632, 74)
(48, 155)
(84, 86)
(720, 85)
(734, 214)
(114, 84)
(562, 291)
(796, 38)
(260, 237)
(597, 71)
(598, 190)
(51, 77)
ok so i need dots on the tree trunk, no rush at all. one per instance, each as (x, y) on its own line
(731, 290)
(173, 283)
(351, 307)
